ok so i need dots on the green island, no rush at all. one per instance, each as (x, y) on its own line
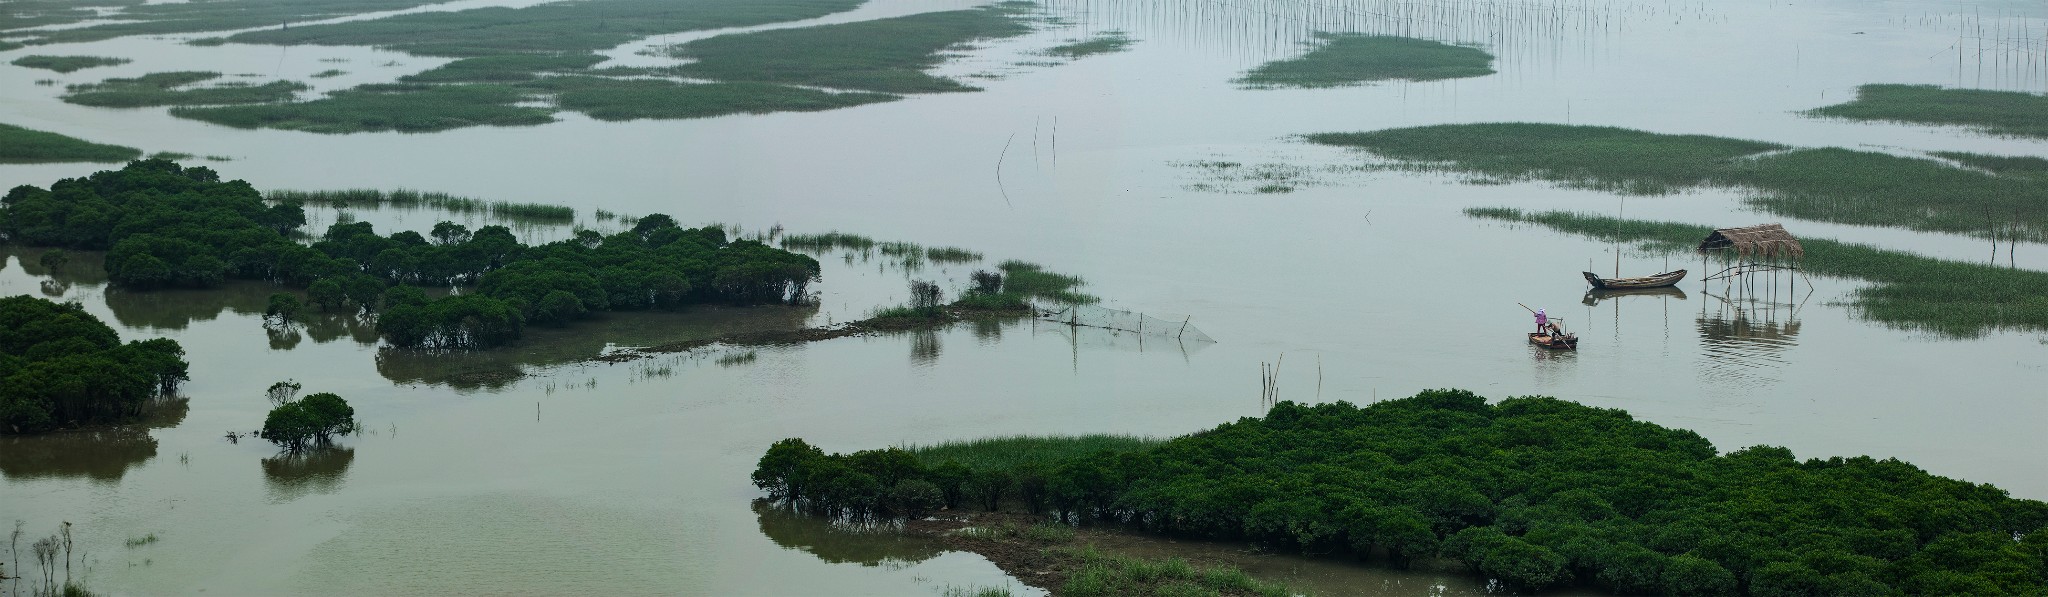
(1951, 298)
(61, 367)
(27, 146)
(1827, 184)
(1345, 59)
(66, 64)
(164, 225)
(166, 89)
(2011, 113)
(1107, 42)
(516, 67)
(1533, 492)
(298, 424)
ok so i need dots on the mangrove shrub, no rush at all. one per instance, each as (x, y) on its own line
(60, 366)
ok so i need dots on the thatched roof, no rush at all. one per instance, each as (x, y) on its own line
(1762, 240)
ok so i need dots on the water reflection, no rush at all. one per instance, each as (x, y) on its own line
(1596, 295)
(293, 475)
(924, 348)
(841, 543)
(87, 268)
(540, 347)
(1094, 338)
(176, 309)
(1746, 340)
(103, 455)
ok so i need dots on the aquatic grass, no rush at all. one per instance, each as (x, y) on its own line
(2003, 165)
(1107, 42)
(406, 198)
(2013, 113)
(191, 17)
(1030, 279)
(951, 255)
(208, 42)
(548, 27)
(1950, 298)
(1343, 59)
(882, 55)
(974, 591)
(134, 542)
(1006, 453)
(162, 89)
(503, 69)
(67, 64)
(170, 155)
(1103, 574)
(827, 242)
(329, 73)
(1825, 184)
(992, 301)
(633, 99)
(26, 146)
(376, 108)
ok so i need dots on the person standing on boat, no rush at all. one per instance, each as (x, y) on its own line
(1542, 322)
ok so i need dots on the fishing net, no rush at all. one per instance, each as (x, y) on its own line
(1162, 325)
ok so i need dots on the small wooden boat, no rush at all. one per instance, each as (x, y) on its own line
(1558, 341)
(1656, 281)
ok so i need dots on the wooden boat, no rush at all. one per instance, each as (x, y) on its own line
(1559, 341)
(1656, 281)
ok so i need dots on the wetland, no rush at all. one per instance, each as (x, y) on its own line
(1608, 137)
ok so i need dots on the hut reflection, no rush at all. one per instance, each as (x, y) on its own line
(1746, 341)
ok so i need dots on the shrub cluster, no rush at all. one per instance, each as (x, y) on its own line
(61, 366)
(1533, 492)
(314, 420)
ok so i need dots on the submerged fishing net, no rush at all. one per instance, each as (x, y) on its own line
(1162, 325)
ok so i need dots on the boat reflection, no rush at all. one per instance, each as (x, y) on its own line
(1594, 296)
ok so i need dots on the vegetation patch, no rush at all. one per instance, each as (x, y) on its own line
(1032, 280)
(1343, 59)
(164, 225)
(509, 68)
(1104, 575)
(1951, 298)
(1827, 184)
(166, 89)
(24, 146)
(190, 17)
(65, 64)
(376, 108)
(2014, 113)
(883, 55)
(549, 27)
(1107, 42)
(1531, 492)
(62, 367)
(329, 73)
(409, 199)
(633, 99)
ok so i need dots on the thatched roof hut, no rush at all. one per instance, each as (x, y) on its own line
(1769, 241)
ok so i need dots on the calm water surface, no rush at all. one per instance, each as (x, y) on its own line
(525, 471)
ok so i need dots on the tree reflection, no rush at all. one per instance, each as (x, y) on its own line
(293, 475)
(841, 542)
(924, 348)
(103, 454)
(543, 346)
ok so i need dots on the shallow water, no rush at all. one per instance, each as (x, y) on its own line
(1372, 283)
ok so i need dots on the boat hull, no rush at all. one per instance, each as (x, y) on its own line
(1656, 281)
(1554, 342)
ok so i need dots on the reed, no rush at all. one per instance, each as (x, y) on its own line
(1007, 453)
(1337, 60)
(405, 198)
(503, 69)
(951, 255)
(375, 108)
(189, 17)
(1029, 279)
(1107, 42)
(1103, 574)
(882, 55)
(66, 64)
(163, 89)
(1950, 298)
(25, 146)
(329, 73)
(547, 27)
(634, 99)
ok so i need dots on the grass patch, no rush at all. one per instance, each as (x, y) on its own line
(738, 358)
(997, 301)
(509, 68)
(208, 42)
(951, 255)
(1011, 452)
(974, 591)
(1103, 574)
(908, 313)
(162, 89)
(1338, 60)
(1106, 42)
(191, 17)
(551, 27)
(634, 99)
(2001, 165)
(170, 155)
(883, 55)
(2013, 113)
(329, 73)
(375, 108)
(403, 198)
(24, 146)
(134, 542)
(66, 64)
(1030, 279)
(1950, 298)
(1827, 184)
(819, 243)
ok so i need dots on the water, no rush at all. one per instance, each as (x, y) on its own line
(529, 471)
